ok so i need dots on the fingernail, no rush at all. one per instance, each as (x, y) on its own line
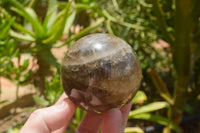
(114, 110)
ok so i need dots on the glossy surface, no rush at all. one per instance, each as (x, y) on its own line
(100, 72)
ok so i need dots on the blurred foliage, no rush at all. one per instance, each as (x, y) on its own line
(7, 45)
(172, 70)
(52, 92)
(16, 128)
(17, 73)
(38, 36)
(132, 20)
(171, 73)
(78, 116)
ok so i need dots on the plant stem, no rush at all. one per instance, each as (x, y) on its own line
(17, 98)
(43, 71)
(182, 56)
(160, 86)
(18, 74)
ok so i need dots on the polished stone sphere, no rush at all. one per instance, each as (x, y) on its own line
(100, 72)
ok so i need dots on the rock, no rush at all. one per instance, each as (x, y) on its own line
(100, 72)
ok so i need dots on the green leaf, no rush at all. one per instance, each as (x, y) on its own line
(51, 14)
(79, 114)
(149, 108)
(139, 97)
(21, 36)
(18, 8)
(155, 118)
(32, 13)
(113, 19)
(81, 6)
(53, 89)
(53, 22)
(22, 29)
(158, 119)
(16, 127)
(133, 130)
(52, 6)
(109, 28)
(57, 34)
(24, 80)
(49, 20)
(40, 101)
(13, 130)
(24, 66)
(69, 21)
(5, 27)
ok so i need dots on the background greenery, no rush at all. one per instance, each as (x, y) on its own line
(171, 73)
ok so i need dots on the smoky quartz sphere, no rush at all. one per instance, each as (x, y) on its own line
(100, 72)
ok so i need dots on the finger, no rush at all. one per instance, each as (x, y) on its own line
(61, 130)
(112, 121)
(90, 123)
(49, 119)
(125, 112)
(62, 97)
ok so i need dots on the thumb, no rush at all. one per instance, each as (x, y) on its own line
(51, 118)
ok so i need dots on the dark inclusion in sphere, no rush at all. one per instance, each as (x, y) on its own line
(100, 72)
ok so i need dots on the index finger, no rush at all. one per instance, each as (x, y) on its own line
(62, 97)
(115, 119)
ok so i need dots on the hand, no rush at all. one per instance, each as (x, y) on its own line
(55, 119)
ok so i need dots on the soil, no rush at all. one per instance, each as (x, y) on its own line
(192, 126)
(13, 120)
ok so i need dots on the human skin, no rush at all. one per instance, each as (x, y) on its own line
(55, 119)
